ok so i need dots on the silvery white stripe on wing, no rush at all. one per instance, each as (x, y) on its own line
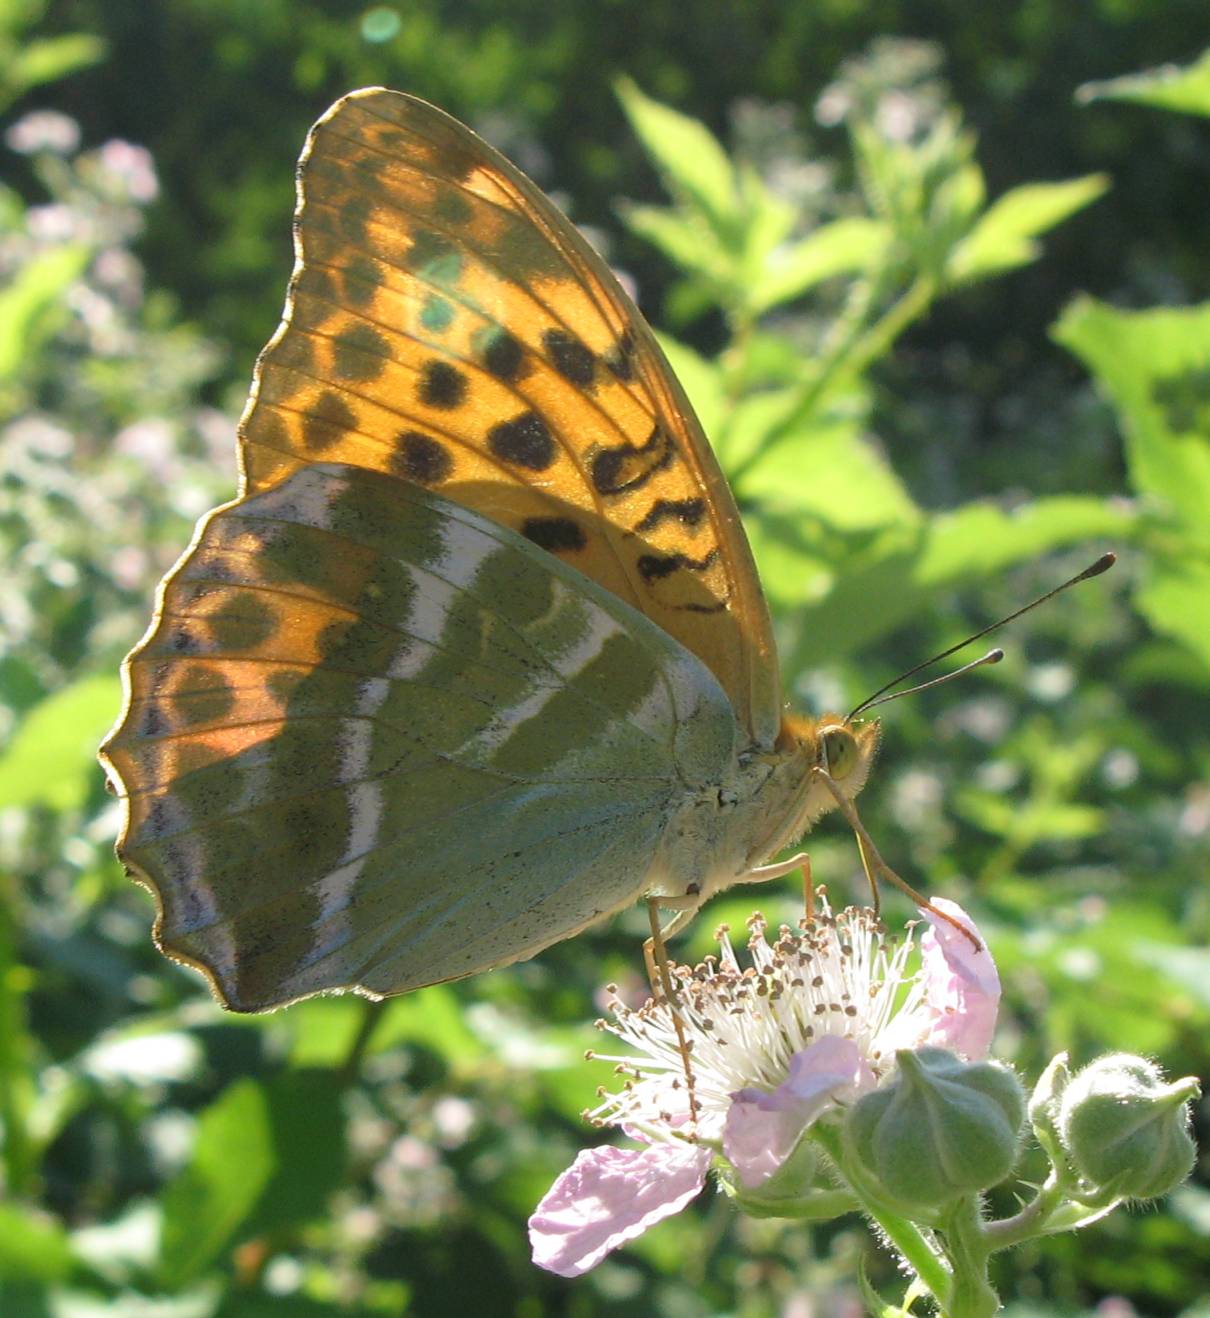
(438, 585)
(307, 500)
(363, 794)
(571, 662)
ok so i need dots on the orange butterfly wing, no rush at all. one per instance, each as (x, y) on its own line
(445, 323)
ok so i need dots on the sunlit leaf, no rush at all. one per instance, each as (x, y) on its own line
(701, 378)
(1004, 235)
(888, 579)
(33, 306)
(51, 760)
(1155, 368)
(1185, 88)
(842, 247)
(694, 166)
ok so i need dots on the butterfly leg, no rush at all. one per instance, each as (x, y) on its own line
(655, 954)
(875, 865)
(808, 892)
(762, 873)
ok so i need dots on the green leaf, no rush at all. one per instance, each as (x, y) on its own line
(701, 379)
(51, 759)
(1185, 89)
(1173, 598)
(434, 1018)
(49, 59)
(817, 473)
(692, 163)
(309, 1152)
(1003, 236)
(233, 1161)
(33, 306)
(880, 581)
(1155, 367)
(981, 539)
(33, 1246)
(840, 248)
(683, 239)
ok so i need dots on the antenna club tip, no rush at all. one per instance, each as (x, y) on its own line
(994, 656)
(1103, 564)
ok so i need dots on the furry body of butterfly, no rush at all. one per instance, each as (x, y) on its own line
(479, 655)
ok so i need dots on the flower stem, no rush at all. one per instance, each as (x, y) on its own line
(917, 1250)
(966, 1244)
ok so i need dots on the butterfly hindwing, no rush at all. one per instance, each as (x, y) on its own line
(447, 325)
(375, 740)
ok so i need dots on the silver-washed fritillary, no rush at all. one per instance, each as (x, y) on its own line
(479, 655)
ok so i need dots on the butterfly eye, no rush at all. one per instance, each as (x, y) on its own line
(839, 751)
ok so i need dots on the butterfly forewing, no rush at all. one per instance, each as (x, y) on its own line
(375, 740)
(447, 325)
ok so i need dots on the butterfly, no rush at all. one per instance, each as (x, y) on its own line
(479, 656)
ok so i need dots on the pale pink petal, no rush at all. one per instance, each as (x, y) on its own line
(763, 1127)
(962, 988)
(609, 1196)
(828, 1066)
(757, 1139)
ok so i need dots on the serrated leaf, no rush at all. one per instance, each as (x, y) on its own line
(1004, 235)
(694, 166)
(842, 247)
(686, 242)
(51, 759)
(1184, 88)
(232, 1163)
(1155, 367)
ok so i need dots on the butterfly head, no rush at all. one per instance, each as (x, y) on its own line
(845, 751)
(842, 748)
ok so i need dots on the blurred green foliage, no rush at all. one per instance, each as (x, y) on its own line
(855, 264)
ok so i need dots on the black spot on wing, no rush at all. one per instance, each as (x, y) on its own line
(524, 441)
(359, 353)
(421, 458)
(555, 534)
(570, 356)
(327, 420)
(442, 385)
(504, 356)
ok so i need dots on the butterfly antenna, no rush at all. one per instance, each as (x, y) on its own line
(991, 657)
(1103, 564)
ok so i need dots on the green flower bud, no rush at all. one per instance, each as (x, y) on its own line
(1044, 1105)
(1125, 1130)
(941, 1129)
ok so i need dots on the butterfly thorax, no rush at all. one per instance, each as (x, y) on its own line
(766, 802)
